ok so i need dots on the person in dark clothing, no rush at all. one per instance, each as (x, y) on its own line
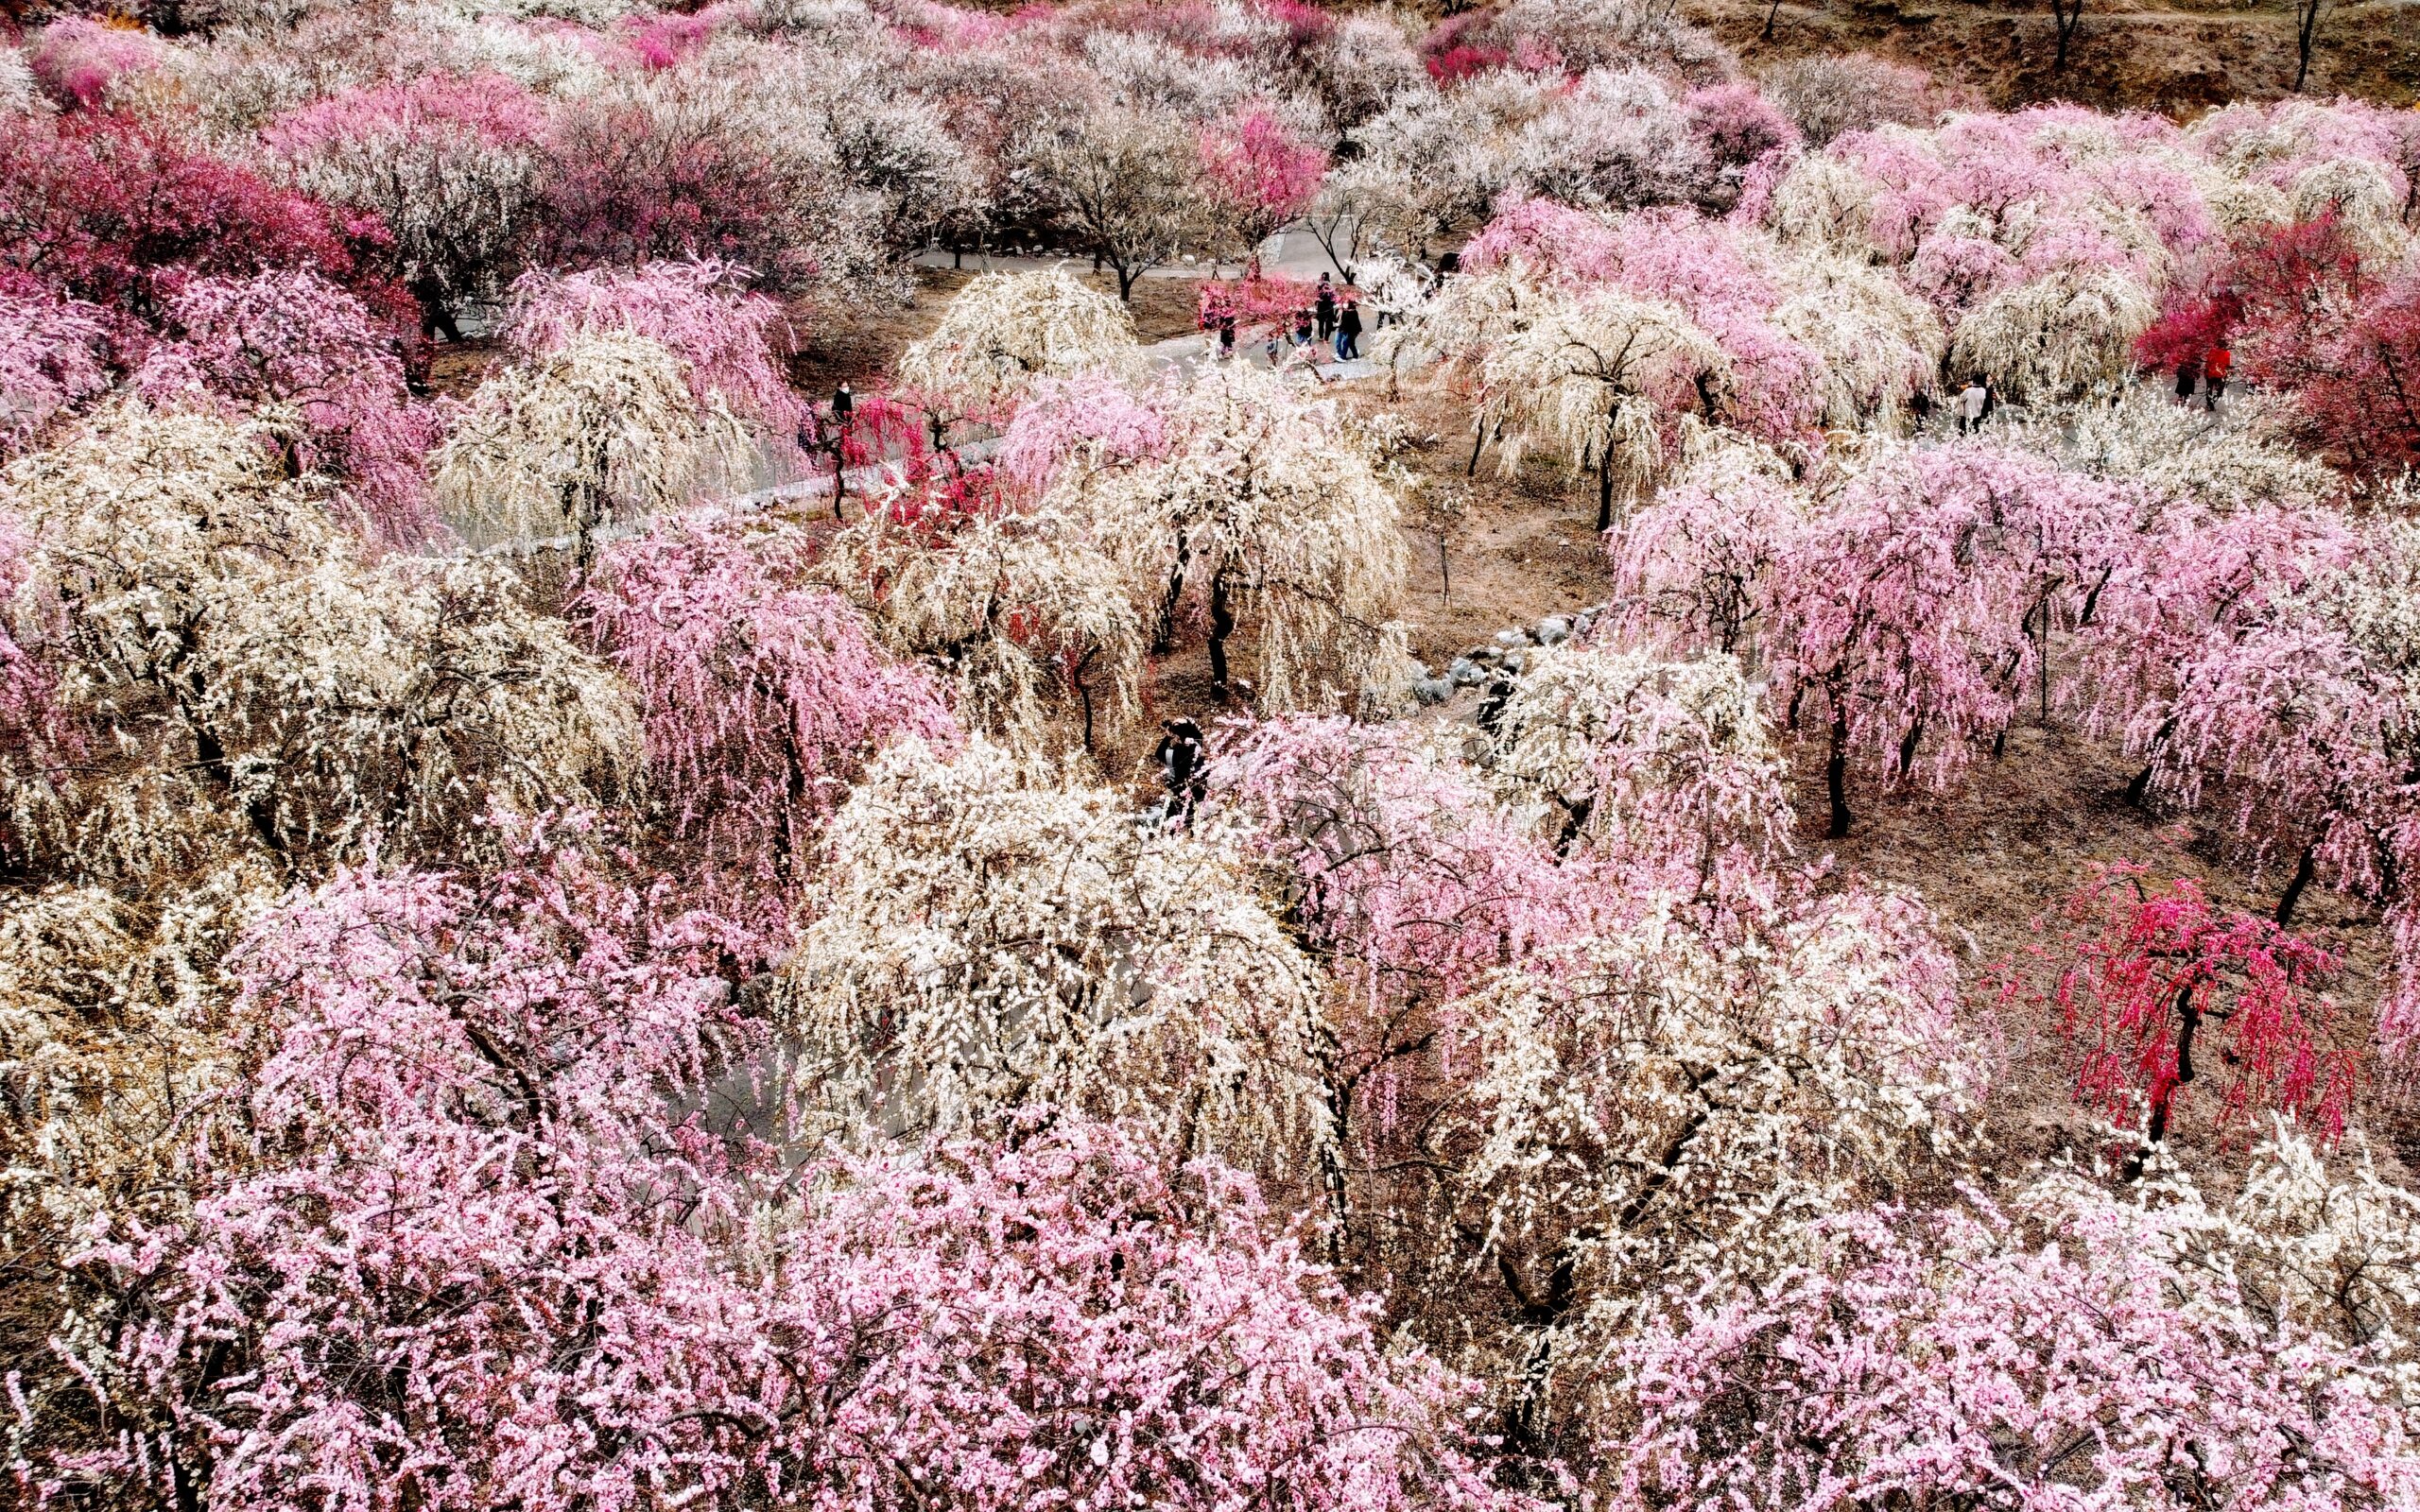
(1179, 756)
(1491, 707)
(2185, 372)
(1920, 405)
(1301, 328)
(1324, 304)
(1348, 331)
(1226, 336)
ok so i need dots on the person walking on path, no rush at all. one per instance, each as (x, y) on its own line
(1348, 332)
(1325, 304)
(1973, 401)
(2214, 377)
(1303, 331)
(1226, 336)
(2187, 371)
(1179, 756)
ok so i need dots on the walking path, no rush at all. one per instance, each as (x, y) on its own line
(1293, 252)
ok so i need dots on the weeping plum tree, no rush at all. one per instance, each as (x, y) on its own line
(760, 695)
(1603, 378)
(2140, 973)
(1280, 521)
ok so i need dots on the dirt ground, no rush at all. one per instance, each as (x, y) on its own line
(2177, 55)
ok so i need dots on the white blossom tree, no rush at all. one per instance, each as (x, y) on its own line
(602, 428)
(1024, 613)
(1126, 183)
(1280, 521)
(1004, 330)
(267, 692)
(1665, 765)
(1602, 378)
(1000, 937)
(2055, 336)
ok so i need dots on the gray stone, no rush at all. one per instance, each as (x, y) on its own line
(1465, 672)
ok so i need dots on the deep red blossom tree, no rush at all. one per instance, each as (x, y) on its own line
(2142, 974)
(2311, 314)
(104, 209)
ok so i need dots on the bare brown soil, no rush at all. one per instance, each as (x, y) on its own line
(2177, 55)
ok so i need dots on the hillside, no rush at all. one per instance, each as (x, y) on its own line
(2179, 56)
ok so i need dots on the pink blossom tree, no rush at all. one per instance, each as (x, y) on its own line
(1261, 174)
(761, 696)
(1394, 859)
(78, 58)
(1915, 608)
(457, 1235)
(1085, 421)
(2061, 1353)
(1880, 626)
(701, 311)
(324, 375)
(53, 357)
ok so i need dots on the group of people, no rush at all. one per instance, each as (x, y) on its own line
(2211, 369)
(1969, 408)
(1328, 319)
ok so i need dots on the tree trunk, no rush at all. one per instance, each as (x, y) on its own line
(1444, 574)
(1084, 694)
(1222, 624)
(2066, 15)
(1479, 440)
(2303, 870)
(1771, 11)
(1605, 492)
(1908, 744)
(1164, 635)
(2139, 790)
(2305, 34)
(1836, 773)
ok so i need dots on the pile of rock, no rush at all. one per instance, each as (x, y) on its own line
(1510, 651)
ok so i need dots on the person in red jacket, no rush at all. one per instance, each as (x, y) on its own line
(2214, 375)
